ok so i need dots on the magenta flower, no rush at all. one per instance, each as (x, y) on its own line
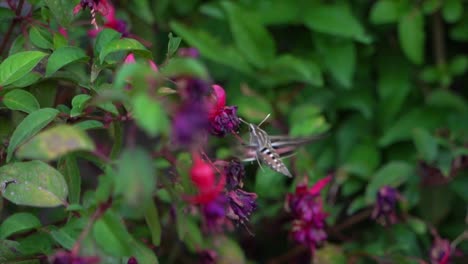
(241, 205)
(190, 124)
(235, 173)
(208, 256)
(223, 119)
(440, 251)
(64, 257)
(306, 207)
(385, 207)
(188, 52)
(214, 214)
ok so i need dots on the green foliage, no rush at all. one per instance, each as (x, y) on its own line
(380, 83)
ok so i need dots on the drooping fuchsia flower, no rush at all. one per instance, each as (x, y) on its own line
(306, 207)
(385, 207)
(440, 251)
(207, 256)
(203, 177)
(223, 119)
(131, 59)
(64, 257)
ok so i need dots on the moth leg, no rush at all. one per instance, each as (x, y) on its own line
(259, 164)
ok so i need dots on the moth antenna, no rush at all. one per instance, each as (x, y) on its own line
(264, 120)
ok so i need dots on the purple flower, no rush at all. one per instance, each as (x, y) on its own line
(196, 90)
(234, 172)
(132, 260)
(305, 205)
(190, 123)
(188, 52)
(308, 233)
(214, 214)
(241, 205)
(385, 207)
(440, 251)
(208, 256)
(225, 121)
(64, 257)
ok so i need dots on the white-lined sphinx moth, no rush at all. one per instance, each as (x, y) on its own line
(271, 149)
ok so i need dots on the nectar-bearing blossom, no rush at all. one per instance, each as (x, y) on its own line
(223, 119)
(385, 207)
(190, 123)
(202, 176)
(241, 205)
(235, 173)
(440, 251)
(305, 205)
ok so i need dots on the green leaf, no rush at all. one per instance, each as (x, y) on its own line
(8, 250)
(88, 124)
(59, 41)
(124, 44)
(79, 104)
(68, 166)
(330, 254)
(452, 10)
(392, 174)
(425, 143)
(55, 142)
(412, 36)
(269, 184)
(306, 120)
(37, 243)
(444, 98)
(229, 251)
(185, 67)
(17, 45)
(363, 159)
(356, 205)
(19, 64)
(30, 125)
(40, 38)
(393, 86)
(18, 223)
(136, 178)
(62, 11)
(104, 37)
(172, 45)
(335, 19)
(142, 9)
(143, 254)
(33, 183)
(384, 11)
(339, 58)
(21, 100)
(27, 80)
(6, 14)
(250, 36)
(149, 114)
(112, 236)
(67, 235)
(211, 48)
(154, 225)
(458, 65)
(288, 69)
(64, 56)
(400, 130)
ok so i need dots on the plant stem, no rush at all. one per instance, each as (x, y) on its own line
(13, 23)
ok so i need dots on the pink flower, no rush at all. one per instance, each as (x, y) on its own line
(223, 119)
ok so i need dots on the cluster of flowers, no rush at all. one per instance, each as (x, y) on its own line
(305, 205)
